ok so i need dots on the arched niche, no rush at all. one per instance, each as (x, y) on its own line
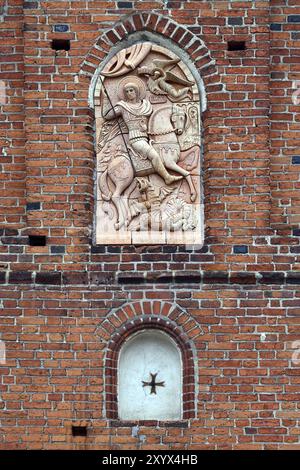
(148, 145)
(150, 377)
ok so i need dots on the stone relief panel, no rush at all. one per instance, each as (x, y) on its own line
(148, 113)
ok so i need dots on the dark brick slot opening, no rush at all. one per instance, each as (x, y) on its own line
(33, 206)
(61, 28)
(236, 45)
(79, 431)
(240, 249)
(60, 44)
(37, 240)
(296, 160)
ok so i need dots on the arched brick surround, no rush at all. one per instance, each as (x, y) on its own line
(163, 26)
(199, 54)
(146, 315)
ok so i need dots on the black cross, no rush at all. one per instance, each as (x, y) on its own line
(153, 384)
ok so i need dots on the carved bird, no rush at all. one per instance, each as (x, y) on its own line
(159, 67)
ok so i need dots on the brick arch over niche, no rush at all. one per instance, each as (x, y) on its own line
(212, 98)
(138, 316)
(161, 25)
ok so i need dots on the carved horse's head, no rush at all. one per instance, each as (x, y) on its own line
(178, 118)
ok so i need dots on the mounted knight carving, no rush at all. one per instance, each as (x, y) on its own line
(147, 120)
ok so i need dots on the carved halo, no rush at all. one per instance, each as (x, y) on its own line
(135, 81)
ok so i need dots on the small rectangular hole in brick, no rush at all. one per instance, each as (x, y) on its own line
(79, 431)
(37, 240)
(60, 44)
(236, 45)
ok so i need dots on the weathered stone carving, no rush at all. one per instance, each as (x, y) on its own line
(126, 60)
(148, 149)
(159, 79)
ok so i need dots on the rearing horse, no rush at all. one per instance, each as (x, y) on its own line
(165, 140)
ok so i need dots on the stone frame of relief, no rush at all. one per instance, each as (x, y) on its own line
(148, 146)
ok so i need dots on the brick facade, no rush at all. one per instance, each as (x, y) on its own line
(237, 298)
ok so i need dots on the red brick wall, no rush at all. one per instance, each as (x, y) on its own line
(285, 155)
(240, 289)
(12, 136)
(54, 377)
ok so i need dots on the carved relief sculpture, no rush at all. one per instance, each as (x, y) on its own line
(148, 149)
